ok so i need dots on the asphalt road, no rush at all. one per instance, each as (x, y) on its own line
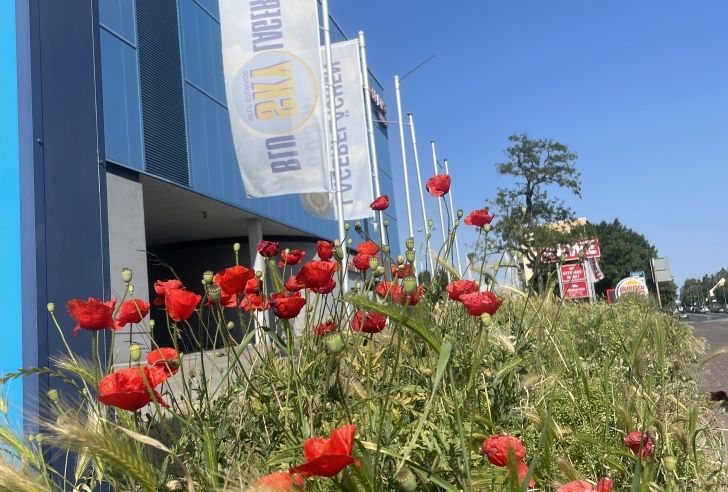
(714, 329)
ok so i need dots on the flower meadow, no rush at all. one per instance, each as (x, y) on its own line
(453, 384)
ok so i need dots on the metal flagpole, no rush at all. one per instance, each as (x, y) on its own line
(452, 214)
(335, 143)
(420, 185)
(370, 131)
(439, 202)
(404, 155)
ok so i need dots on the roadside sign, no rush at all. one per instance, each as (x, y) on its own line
(631, 285)
(575, 290)
(570, 252)
(572, 273)
(637, 274)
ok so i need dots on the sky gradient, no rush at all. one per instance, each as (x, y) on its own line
(639, 90)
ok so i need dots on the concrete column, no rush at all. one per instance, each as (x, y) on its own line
(257, 262)
(127, 248)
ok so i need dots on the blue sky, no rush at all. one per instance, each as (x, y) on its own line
(639, 89)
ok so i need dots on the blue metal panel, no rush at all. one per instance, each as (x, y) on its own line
(122, 115)
(11, 349)
(118, 17)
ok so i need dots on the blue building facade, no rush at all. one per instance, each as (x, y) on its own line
(115, 141)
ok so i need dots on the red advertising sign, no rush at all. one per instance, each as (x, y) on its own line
(590, 248)
(572, 273)
(575, 290)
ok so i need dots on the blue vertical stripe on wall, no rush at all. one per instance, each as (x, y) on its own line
(11, 349)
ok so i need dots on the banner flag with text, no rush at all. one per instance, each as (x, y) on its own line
(354, 157)
(273, 83)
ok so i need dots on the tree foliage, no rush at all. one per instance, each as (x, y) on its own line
(540, 169)
(695, 290)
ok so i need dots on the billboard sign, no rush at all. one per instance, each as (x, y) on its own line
(575, 290)
(590, 248)
(632, 285)
(640, 273)
(572, 273)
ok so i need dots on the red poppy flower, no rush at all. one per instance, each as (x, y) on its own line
(287, 306)
(325, 250)
(636, 440)
(279, 481)
(522, 472)
(324, 328)
(438, 185)
(131, 311)
(291, 257)
(605, 484)
(384, 288)
(232, 280)
(93, 314)
(327, 457)
(293, 284)
(497, 448)
(326, 289)
(577, 486)
(316, 274)
(253, 302)
(161, 287)
(477, 303)
(479, 218)
(405, 271)
(166, 358)
(368, 322)
(399, 295)
(458, 288)
(129, 389)
(268, 249)
(181, 303)
(367, 248)
(361, 262)
(226, 300)
(381, 203)
(252, 286)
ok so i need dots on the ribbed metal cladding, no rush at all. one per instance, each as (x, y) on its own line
(160, 73)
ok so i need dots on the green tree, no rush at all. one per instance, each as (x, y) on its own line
(668, 294)
(623, 251)
(525, 210)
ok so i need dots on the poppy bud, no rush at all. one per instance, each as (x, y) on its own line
(406, 480)
(386, 249)
(373, 263)
(347, 226)
(400, 260)
(385, 222)
(357, 226)
(135, 352)
(562, 258)
(130, 288)
(339, 253)
(151, 323)
(410, 255)
(259, 274)
(523, 210)
(53, 395)
(670, 463)
(410, 284)
(213, 292)
(357, 285)
(349, 241)
(581, 255)
(236, 247)
(337, 243)
(460, 213)
(410, 243)
(430, 223)
(486, 319)
(174, 485)
(51, 307)
(379, 271)
(207, 277)
(126, 274)
(487, 227)
(456, 223)
(334, 343)
(230, 326)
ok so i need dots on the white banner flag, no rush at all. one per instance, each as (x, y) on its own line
(354, 158)
(273, 83)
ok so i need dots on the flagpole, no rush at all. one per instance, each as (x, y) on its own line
(404, 155)
(439, 203)
(452, 212)
(370, 131)
(420, 185)
(335, 143)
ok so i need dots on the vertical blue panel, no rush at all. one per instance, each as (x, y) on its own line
(11, 349)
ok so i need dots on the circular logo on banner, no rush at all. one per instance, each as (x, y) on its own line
(276, 92)
(631, 285)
